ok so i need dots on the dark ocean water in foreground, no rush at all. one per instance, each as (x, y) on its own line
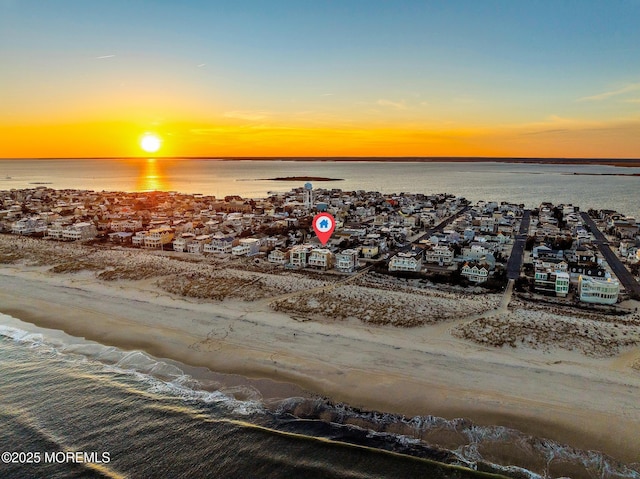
(144, 418)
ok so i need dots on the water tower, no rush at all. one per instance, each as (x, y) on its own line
(308, 195)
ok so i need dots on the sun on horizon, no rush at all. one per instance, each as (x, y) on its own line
(150, 142)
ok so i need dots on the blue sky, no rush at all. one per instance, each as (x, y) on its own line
(420, 65)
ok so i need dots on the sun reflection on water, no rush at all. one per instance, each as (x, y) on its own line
(152, 176)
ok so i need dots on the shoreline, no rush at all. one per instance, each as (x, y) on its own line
(563, 396)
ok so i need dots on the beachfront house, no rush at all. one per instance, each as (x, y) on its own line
(138, 238)
(321, 258)
(80, 231)
(441, 255)
(475, 272)
(246, 247)
(551, 281)
(298, 255)
(197, 245)
(180, 244)
(347, 260)
(219, 244)
(407, 261)
(27, 226)
(277, 256)
(55, 231)
(158, 237)
(598, 291)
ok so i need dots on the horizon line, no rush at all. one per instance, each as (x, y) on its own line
(335, 158)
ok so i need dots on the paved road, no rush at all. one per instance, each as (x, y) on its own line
(440, 226)
(626, 278)
(517, 252)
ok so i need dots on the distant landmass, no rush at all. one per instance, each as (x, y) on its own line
(304, 178)
(621, 162)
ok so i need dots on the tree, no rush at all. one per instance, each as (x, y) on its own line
(529, 244)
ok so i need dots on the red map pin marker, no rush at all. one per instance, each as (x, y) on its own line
(323, 225)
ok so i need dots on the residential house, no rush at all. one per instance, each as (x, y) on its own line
(278, 256)
(598, 291)
(138, 238)
(27, 226)
(439, 254)
(298, 255)
(219, 244)
(347, 260)
(156, 238)
(407, 261)
(180, 244)
(196, 246)
(475, 272)
(321, 258)
(551, 281)
(246, 247)
(80, 231)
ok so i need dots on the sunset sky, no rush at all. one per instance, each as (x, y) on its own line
(554, 78)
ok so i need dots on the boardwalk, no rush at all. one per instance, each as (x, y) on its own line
(517, 252)
(626, 278)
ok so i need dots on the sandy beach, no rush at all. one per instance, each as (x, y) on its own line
(567, 391)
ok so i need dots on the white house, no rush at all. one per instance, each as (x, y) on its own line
(55, 231)
(80, 231)
(475, 252)
(277, 256)
(138, 238)
(126, 225)
(298, 255)
(321, 258)
(27, 226)
(439, 254)
(196, 246)
(347, 260)
(219, 244)
(407, 261)
(180, 244)
(247, 247)
(476, 273)
(598, 291)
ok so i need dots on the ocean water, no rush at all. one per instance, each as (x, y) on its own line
(589, 186)
(135, 416)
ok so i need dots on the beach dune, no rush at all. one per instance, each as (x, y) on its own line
(589, 403)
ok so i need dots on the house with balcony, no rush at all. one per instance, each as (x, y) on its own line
(441, 255)
(156, 238)
(28, 226)
(180, 244)
(219, 244)
(598, 291)
(475, 272)
(197, 245)
(246, 247)
(298, 255)
(347, 260)
(278, 256)
(408, 260)
(138, 238)
(551, 281)
(126, 225)
(80, 231)
(320, 258)
(55, 231)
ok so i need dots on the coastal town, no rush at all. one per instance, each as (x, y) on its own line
(553, 250)
(493, 299)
